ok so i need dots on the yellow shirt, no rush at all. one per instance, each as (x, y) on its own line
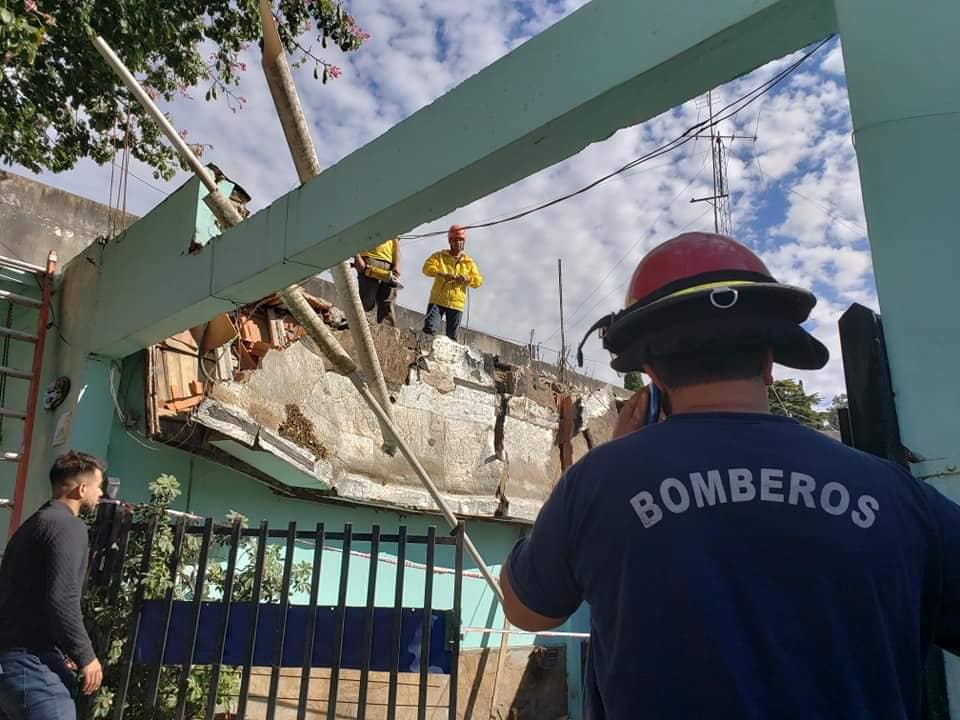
(450, 293)
(383, 251)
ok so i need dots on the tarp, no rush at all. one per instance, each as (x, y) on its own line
(236, 648)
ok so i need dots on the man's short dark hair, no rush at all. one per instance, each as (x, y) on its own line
(67, 467)
(680, 370)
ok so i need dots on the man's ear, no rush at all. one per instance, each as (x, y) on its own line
(768, 367)
(648, 371)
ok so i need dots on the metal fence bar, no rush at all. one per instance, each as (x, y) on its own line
(224, 618)
(368, 624)
(427, 623)
(133, 628)
(337, 655)
(311, 625)
(154, 685)
(455, 622)
(187, 704)
(282, 620)
(397, 622)
(222, 529)
(105, 553)
(255, 600)
(200, 579)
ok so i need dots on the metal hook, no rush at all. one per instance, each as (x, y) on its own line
(721, 305)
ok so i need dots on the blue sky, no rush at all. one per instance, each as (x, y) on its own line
(796, 191)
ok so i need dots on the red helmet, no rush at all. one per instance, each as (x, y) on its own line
(702, 290)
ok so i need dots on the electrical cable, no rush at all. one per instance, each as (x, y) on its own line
(689, 134)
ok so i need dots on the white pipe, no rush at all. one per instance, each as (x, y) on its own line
(6, 503)
(206, 177)
(517, 631)
(296, 130)
(222, 208)
(17, 264)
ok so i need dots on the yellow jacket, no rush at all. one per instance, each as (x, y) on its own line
(451, 293)
(385, 251)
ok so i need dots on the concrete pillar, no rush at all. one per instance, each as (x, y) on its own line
(902, 63)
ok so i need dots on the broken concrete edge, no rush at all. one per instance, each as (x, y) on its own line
(237, 425)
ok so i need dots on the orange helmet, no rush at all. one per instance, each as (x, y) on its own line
(701, 290)
(457, 231)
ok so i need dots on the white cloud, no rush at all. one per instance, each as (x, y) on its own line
(833, 62)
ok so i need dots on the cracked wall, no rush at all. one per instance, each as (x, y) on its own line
(486, 431)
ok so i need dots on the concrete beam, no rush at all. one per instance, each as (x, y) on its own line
(610, 65)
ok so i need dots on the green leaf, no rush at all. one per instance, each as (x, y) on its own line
(6, 16)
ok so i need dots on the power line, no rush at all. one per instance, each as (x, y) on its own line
(829, 211)
(689, 134)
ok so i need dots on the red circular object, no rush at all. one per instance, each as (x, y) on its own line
(687, 256)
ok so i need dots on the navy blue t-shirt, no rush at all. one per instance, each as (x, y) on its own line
(743, 566)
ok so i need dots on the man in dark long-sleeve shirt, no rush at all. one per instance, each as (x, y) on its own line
(42, 637)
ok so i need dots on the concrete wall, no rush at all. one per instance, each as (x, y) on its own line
(36, 218)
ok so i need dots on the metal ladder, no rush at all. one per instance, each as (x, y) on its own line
(44, 278)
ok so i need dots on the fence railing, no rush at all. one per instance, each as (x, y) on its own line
(191, 617)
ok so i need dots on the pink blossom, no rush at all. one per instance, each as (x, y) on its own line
(30, 5)
(243, 67)
(183, 134)
(152, 92)
(333, 71)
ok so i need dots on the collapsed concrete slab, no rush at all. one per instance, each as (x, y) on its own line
(486, 431)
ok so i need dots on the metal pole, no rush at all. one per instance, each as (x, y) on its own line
(222, 208)
(518, 631)
(300, 143)
(206, 177)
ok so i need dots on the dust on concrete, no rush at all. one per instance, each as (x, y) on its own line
(298, 428)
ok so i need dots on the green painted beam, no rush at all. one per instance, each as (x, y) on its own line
(610, 65)
(901, 65)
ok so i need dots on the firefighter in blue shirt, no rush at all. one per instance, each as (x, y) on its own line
(736, 564)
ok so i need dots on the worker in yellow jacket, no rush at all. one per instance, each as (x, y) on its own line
(453, 271)
(378, 271)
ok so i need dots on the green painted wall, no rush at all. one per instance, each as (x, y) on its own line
(211, 489)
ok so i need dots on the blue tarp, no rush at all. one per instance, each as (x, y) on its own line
(147, 649)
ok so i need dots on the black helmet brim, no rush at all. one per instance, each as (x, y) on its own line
(768, 314)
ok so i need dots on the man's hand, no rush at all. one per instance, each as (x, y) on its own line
(70, 664)
(633, 414)
(92, 676)
(462, 279)
(359, 263)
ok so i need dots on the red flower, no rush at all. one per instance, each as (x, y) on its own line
(333, 71)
